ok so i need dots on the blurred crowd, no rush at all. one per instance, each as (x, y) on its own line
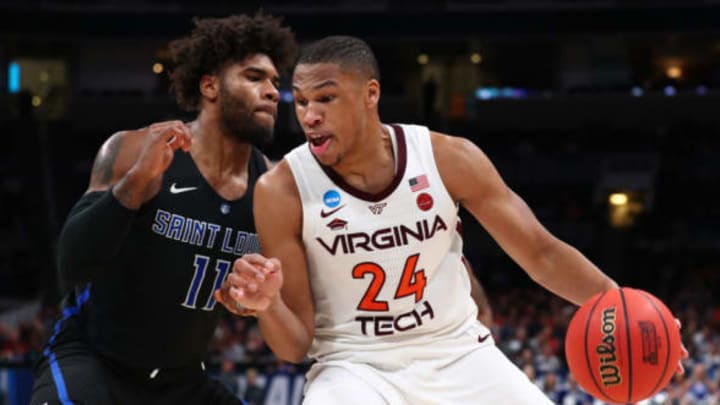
(529, 326)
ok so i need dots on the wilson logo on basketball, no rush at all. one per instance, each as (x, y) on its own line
(609, 371)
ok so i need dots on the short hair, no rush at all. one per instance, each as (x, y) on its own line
(348, 52)
(216, 42)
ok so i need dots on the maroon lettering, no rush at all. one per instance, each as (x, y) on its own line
(383, 325)
(359, 240)
(388, 325)
(384, 238)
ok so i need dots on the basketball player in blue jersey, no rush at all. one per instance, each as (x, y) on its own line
(361, 267)
(168, 209)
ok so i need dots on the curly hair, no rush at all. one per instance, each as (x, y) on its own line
(215, 42)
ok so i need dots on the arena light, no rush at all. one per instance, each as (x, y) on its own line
(286, 96)
(674, 72)
(36, 101)
(489, 93)
(670, 91)
(476, 58)
(158, 68)
(14, 77)
(423, 59)
(637, 91)
(618, 199)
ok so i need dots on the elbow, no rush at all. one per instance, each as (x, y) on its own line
(295, 351)
(295, 354)
(75, 268)
(75, 260)
(72, 273)
(295, 358)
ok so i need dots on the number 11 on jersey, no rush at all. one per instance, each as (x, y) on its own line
(201, 264)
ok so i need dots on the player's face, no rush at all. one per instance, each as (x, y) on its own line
(329, 104)
(248, 99)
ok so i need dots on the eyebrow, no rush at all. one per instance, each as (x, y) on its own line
(261, 71)
(326, 83)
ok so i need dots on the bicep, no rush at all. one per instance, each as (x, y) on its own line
(113, 160)
(278, 220)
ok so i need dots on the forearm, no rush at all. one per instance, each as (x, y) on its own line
(566, 272)
(484, 309)
(477, 292)
(284, 332)
(92, 236)
(134, 189)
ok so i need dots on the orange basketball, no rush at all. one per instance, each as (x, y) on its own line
(623, 345)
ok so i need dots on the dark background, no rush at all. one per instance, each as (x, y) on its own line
(572, 100)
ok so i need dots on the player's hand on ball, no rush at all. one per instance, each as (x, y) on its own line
(253, 284)
(683, 353)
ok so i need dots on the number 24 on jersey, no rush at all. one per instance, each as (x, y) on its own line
(412, 282)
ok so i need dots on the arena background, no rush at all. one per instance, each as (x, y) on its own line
(602, 114)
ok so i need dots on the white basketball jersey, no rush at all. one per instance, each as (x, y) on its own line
(385, 269)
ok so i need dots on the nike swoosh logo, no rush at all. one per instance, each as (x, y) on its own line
(324, 214)
(178, 190)
(483, 338)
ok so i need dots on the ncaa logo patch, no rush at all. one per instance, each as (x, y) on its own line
(331, 198)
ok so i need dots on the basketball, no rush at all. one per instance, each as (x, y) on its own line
(623, 345)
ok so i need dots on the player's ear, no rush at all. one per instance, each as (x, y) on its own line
(372, 94)
(210, 87)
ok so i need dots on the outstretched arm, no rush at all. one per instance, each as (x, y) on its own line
(479, 296)
(473, 181)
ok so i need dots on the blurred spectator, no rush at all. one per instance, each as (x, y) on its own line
(574, 394)
(546, 361)
(228, 376)
(255, 347)
(552, 387)
(254, 392)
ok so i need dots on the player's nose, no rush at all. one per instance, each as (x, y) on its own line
(311, 118)
(270, 92)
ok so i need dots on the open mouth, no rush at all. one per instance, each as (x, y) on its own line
(319, 140)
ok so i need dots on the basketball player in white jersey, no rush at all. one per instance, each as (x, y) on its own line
(362, 267)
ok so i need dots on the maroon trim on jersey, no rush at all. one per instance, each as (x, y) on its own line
(375, 197)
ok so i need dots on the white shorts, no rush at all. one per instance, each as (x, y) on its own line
(482, 376)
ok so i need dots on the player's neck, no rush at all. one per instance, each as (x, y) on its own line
(216, 151)
(370, 166)
(216, 154)
(222, 161)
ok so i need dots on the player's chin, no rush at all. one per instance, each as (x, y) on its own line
(262, 116)
(327, 159)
